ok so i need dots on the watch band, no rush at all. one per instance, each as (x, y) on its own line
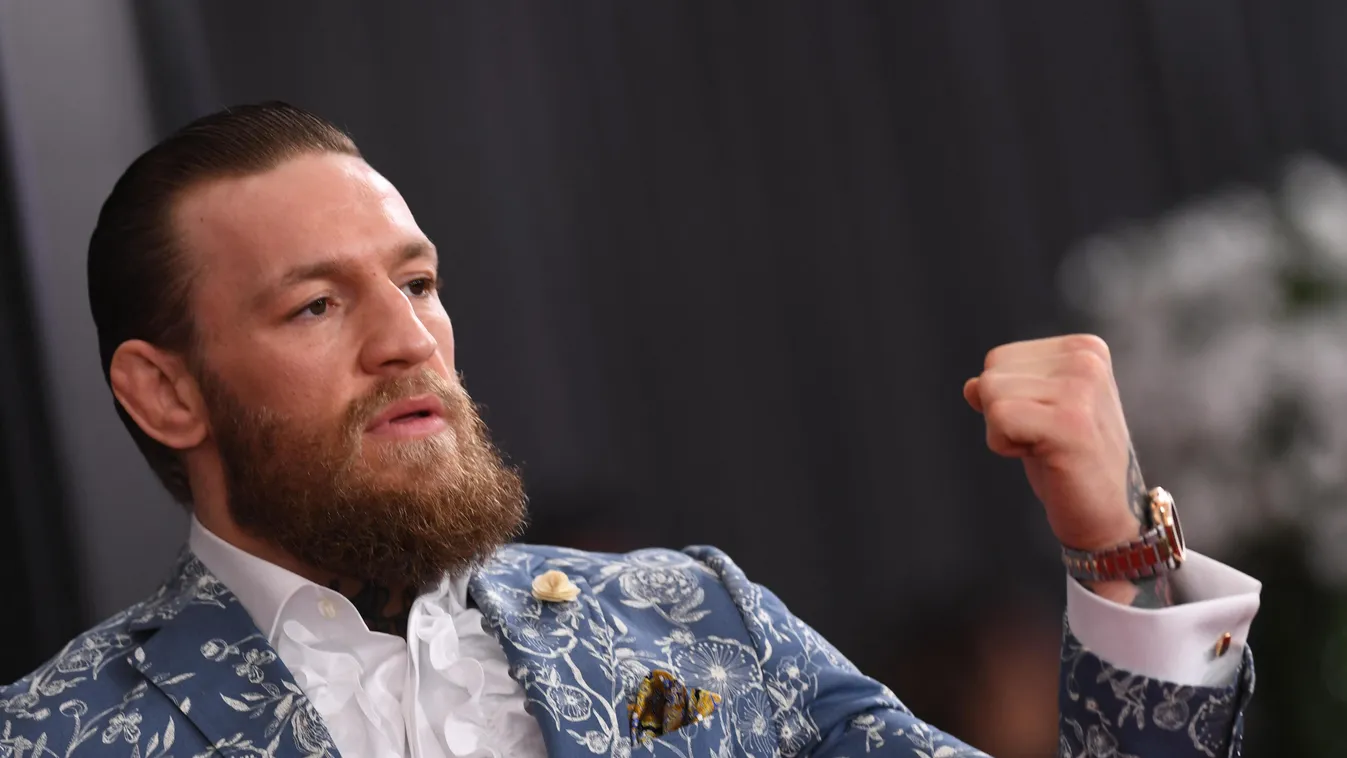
(1159, 550)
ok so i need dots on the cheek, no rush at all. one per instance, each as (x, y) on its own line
(287, 384)
(442, 329)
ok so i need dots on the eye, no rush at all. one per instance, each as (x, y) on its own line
(316, 308)
(420, 287)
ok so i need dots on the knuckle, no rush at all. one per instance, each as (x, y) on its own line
(1090, 343)
(994, 356)
(990, 385)
(1088, 365)
(999, 412)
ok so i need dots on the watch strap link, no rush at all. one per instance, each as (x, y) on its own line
(1148, 556)
(1159, 550)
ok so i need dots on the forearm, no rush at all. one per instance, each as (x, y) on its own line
(1150, 592)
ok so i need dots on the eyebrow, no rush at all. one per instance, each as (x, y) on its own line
(333, 267)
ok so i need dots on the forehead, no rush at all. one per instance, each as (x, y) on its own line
(308, 208)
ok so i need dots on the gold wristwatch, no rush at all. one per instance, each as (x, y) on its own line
(1159, 550)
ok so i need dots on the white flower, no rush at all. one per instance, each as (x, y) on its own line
(753, 723)
(1171, 715)
(20, 703)
(570, 702)
(127, 725)
(596, 742)
(1316, 196)
(309, 735)
(215, 649)
(253, 661)
(873, 726)
(1225, 320)
(531, 634)
(790, 670)
(676, 637)
(659, 559)
(796, 731)
(719, 666)
(658, 586)
(84, 657)
(555, 587)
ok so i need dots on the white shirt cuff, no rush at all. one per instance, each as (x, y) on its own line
(1175, 644)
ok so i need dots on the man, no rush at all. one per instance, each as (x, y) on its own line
(270, 327)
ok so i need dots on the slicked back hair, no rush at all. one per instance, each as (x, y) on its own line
(140, 278)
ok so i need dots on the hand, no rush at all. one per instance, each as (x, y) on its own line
(1053, 404)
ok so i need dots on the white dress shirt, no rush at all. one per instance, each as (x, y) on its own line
(445, 690)
(1178, 643)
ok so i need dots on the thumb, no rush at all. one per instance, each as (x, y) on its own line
(971, 394)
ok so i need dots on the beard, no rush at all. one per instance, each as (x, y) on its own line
(400, 512)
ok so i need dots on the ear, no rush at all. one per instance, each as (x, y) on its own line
(157, 390)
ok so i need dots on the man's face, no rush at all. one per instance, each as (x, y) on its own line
(327, 362)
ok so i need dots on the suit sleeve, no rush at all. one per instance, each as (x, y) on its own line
(1121, 692)
(821, 705)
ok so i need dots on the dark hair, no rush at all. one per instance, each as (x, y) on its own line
(140, 282)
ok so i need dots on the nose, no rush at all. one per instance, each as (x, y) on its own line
(396, 340)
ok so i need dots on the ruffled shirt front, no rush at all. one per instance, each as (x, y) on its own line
(445, 690)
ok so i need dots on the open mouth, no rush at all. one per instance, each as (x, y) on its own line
(412, 417)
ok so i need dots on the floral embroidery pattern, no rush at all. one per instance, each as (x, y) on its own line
(186, 673)
(101, 694)
(1123, 715)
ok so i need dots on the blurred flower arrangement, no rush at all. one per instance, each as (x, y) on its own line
(1228, 324)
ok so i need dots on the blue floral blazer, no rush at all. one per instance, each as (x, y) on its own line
(187, 673)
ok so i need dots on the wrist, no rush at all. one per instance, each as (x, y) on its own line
(1155, 552)
(1122, 529)
(1120, 591)
(1151, 592)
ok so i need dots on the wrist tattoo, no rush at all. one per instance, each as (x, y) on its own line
(1152, 591)
(1138, 497)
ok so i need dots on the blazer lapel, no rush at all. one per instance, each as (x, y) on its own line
(208, 657)
(571, 699)
(573, 664)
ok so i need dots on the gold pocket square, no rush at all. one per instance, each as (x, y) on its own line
(662, 704)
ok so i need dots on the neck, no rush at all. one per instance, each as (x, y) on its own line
(383, 607)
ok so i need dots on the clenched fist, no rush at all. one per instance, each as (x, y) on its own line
(1053, 404)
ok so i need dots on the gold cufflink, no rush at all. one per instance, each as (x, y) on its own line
(1222, 644)
(555, 587)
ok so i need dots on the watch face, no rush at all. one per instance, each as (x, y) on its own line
(1178, 528)
(1165, 517)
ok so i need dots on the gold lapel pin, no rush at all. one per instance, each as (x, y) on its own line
(555, 587)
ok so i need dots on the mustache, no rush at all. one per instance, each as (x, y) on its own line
(426, 382)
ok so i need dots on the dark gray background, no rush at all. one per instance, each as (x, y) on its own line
(718, 270)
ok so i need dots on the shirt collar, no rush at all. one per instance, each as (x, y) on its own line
(262, 587)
